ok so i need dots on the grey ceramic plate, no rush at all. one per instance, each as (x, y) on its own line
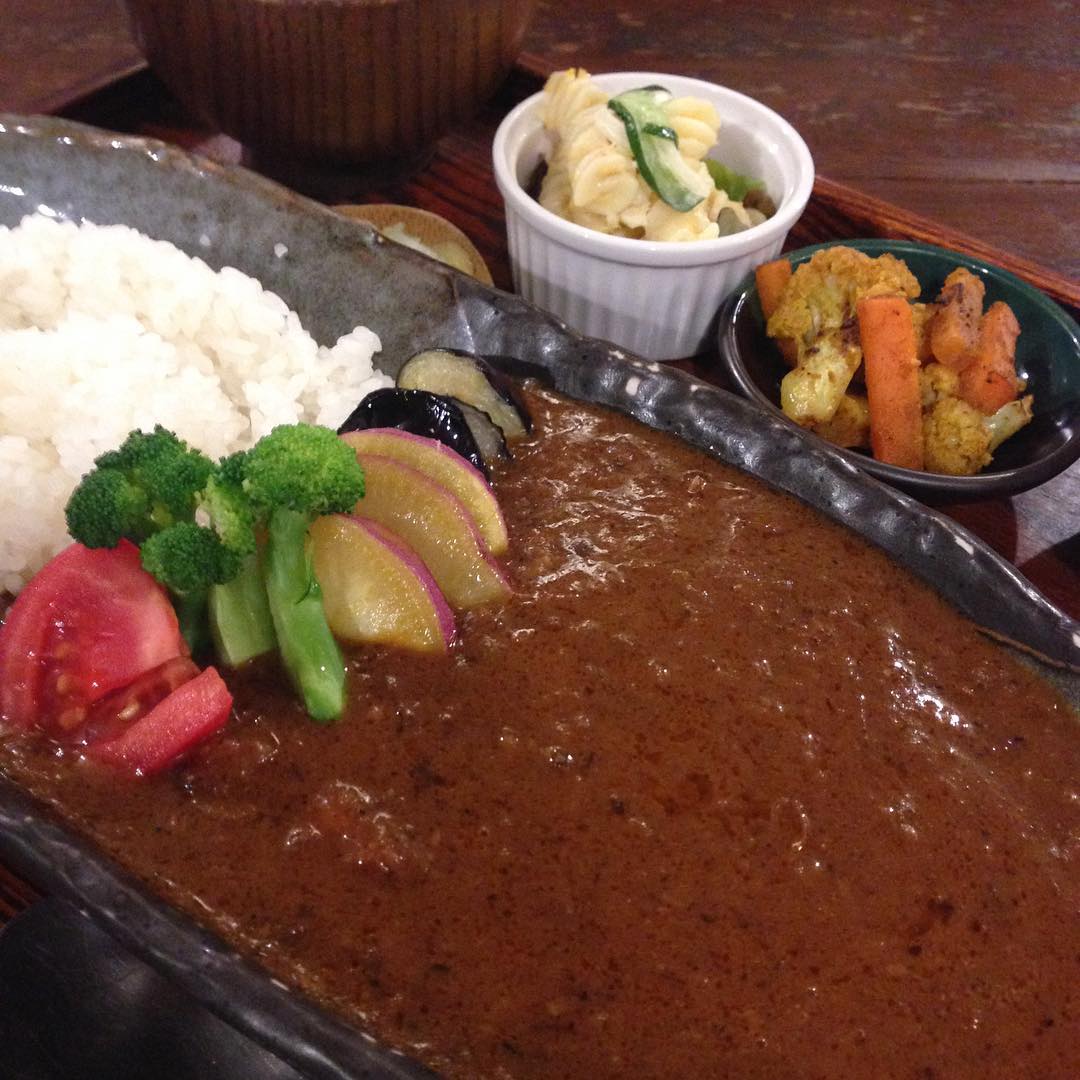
(338, 273)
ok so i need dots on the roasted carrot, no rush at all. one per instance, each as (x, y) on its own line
(887, 336)
(771, 279)
(954, 329)
(989, 379)
(922, 316)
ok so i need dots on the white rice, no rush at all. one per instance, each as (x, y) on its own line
(104, 330)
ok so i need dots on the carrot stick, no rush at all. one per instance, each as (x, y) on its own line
(989, 380)
(771, 279)
(891, 366)
(922, 316)
(954, 328)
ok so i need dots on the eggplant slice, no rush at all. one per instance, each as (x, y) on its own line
(488, 435)
(420, 413)
(472, 380)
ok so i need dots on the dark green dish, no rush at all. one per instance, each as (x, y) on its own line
(1047, 355)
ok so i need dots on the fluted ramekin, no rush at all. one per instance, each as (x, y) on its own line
(658, 299)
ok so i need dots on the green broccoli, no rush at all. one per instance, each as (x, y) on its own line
(304, 468)
(106, 507)
(293, 475)
(162, 465)
(197, 524)
(149, 483)
(231, 514)
(149, 491)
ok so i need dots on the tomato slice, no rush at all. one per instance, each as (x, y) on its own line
(187, 716)
(113, 714)
(90, 621)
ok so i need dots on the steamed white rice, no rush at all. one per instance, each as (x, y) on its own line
(104, 330)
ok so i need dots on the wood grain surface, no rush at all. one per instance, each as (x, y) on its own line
(55, 52)
(965, 113)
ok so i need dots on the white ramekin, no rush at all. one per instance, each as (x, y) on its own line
(658, 299)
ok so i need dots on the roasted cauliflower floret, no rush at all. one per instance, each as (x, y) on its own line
(823, 291)
(936, 381)
(850, 424)
(921, 315)
(955, 440)
(811, 392)
(817, 312)
(959, 440)
(822, 312)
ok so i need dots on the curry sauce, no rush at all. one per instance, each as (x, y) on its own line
(721, 792)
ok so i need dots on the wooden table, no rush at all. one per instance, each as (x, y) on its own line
(959, 114)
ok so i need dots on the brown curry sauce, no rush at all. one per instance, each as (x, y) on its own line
(721, 792)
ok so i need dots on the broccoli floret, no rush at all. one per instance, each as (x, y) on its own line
(147, 491)
(188, 558)
(304, 468)
(162, 465)
(230, 468)
(296, 473)
(107, 507)
(197, 524)
(231, 514)
(152, 481)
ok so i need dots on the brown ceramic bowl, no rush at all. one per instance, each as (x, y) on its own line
(332, 81)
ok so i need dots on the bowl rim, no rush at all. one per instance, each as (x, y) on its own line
(523, 121)
(920, 483)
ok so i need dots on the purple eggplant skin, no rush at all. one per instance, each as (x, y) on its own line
(471, 379)
(420, 413)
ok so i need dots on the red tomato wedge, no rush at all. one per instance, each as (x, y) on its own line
(113, 714)
(187, 716)
(89, 622)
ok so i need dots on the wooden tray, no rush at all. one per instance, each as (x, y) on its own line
(839, 212)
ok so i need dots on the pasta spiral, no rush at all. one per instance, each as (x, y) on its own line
(696, 123)
(593, 179)
(664, 223)
(566, 95)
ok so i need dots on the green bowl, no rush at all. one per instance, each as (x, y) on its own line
(1047, 356)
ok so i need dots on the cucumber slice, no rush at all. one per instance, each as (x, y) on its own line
(733, 184)
(655, 146)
